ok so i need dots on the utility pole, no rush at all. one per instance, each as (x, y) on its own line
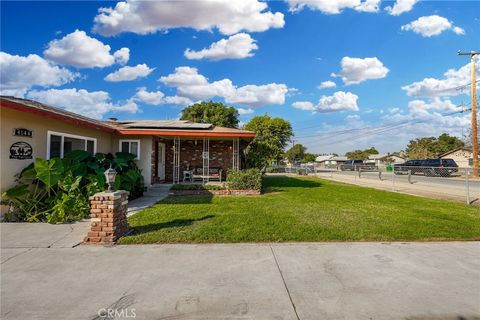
(472, 55)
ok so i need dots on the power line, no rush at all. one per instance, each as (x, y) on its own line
(386, 128)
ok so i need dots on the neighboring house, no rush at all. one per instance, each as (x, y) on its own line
(164, 149)
(320, 161)
(384, 159)
(330, 161)
(463, 156)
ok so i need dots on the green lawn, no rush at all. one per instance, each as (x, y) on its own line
(304, 209)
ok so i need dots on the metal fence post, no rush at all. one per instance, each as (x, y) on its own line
(410, 176)
(380, 174)
(355, 175)
(467, 186)
(393, 179)
(359, 172)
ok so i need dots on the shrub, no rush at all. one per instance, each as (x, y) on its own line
(301, 172)
(197, 187)
(275, 170)
(249, 179)
(57, 190)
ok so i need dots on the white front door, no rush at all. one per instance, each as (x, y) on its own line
(161, 160)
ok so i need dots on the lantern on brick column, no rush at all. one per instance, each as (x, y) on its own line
(110, 175)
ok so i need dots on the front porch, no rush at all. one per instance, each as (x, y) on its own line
(195, 159)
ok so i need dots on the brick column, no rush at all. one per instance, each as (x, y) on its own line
(108, 211)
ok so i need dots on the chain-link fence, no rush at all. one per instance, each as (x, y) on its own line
(453, 183)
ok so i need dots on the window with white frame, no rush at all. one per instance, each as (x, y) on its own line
(130, 146)
(59, 144)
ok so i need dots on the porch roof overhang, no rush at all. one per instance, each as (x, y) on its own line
(192, 134)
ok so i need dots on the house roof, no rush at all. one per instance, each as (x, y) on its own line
(323, 158)
(382, 156)
(211, 132)
(161, 124)
(125, 127)
(469, 149)
(339, 158)
(53, 113)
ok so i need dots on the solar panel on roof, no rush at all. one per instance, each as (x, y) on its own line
(164, 124)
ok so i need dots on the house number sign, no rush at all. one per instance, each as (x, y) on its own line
(22, 132)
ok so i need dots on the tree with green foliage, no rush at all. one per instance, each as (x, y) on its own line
(272, 136)
(215, 113)
(296, 153)
(361, 154)
(431, 147)
(309, 157)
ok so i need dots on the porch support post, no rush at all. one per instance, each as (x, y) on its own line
(236, 154)
(176, 160)
(206, 159)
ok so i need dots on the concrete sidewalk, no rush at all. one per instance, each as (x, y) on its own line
(244, 281)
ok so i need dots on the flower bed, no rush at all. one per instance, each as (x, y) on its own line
(239, 183)
(225, 192)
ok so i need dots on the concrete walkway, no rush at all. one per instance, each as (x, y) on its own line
(244, 281)
(42, 235)
(154, 194)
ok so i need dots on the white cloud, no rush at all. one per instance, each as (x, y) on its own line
(18, 73)
(434, 25)
(177, 100)
(437, 104)
(327, 84)
(339, 101)
(154, 98)
(448, 86)
(304, 105)
(93, 104)
(157, 98)
(191, 84)
(228, 16)
(122, 56)
(334, 6)
(80, 50)
(254, 95)
(357, 70)
(242, 111)
(129, 73)
(401, 6)
(238, 46)
(353, 118)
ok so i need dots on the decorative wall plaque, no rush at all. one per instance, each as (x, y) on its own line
(21, 150)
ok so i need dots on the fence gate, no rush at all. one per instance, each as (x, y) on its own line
(206, 159)
(176, 160)
(236, 154)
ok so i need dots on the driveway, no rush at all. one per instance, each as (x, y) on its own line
(243, 281)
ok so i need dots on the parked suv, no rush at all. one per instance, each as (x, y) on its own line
(413, 165)
(440, 167)
(428, 167)
(353, 164)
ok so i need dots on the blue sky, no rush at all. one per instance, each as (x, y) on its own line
(272, 59)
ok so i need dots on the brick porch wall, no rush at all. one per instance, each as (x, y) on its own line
(221, 156)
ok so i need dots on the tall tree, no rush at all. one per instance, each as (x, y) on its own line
(309, 157)
(431, 147)
(296, 153)
(272, 136)
(215, 113)
(361, 154)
